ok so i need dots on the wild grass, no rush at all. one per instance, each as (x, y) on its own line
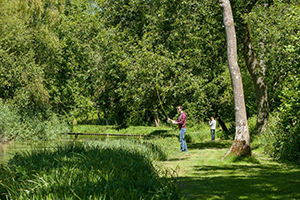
(149, 168)
(119, 169)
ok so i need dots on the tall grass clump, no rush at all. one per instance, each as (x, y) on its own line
(110, 170)
(196, 132)
(151, 149)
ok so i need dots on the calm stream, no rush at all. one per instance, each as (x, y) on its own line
(8, 150)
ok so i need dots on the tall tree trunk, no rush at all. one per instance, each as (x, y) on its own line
(98, 113)
(241, 144)
(257, 72)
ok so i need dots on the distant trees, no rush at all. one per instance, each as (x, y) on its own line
(73, 55)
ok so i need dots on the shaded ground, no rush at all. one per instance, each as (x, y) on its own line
(203, 175)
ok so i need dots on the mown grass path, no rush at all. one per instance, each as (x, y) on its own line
(202, 174)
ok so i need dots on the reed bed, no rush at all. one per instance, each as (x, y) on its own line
(118, 169)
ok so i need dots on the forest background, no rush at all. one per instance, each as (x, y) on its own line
(126, 63)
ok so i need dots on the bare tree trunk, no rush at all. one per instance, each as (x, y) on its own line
(257, 72)
(156, 119)
(98, 113)
(241, 144)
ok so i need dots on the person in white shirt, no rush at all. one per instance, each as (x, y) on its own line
(213, 125)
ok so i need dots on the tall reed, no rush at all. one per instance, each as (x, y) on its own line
(119, 169)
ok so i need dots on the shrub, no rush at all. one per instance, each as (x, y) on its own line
(284, 132)
(9, 122)
(30, 125)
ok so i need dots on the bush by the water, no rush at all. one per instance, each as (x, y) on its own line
(9, 122)
(29, 125)
(112, 170)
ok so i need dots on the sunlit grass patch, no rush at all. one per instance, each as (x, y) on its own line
(203, 174)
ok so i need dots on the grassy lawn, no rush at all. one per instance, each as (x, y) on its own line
(202, 174)
(132, 168)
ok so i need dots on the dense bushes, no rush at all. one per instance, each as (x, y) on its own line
(283, 134)
(29, 125)
(287, 134)
(9, 122)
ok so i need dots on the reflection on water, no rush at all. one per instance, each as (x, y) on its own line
(8, 150)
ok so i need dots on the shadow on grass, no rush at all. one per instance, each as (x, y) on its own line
(247, 159)
(178, 159)
(210, 145)
(242, 182)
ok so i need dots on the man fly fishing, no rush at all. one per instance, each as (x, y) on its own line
(181, 121)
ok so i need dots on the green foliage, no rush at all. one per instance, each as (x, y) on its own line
(37, 127)
(133, 65)
(287, 135)
(111, 170)
(9, 122)
(30, 125)
(252, 127)
(158, 60)
(276, 41)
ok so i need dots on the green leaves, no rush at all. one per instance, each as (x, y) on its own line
(135, 59)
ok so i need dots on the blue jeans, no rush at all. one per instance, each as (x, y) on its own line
(183, 146)
(212, 131)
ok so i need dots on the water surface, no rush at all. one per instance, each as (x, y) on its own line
(8, 150)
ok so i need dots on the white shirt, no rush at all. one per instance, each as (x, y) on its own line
(213, 124)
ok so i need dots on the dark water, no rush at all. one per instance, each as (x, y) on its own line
(8, 150)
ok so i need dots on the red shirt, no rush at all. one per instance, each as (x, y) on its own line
(181, 120)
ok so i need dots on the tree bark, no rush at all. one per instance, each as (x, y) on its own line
(241, 144)
(98, 113)
(156, 119)
(257, 72)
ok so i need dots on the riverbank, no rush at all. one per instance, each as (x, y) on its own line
(199, 173)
